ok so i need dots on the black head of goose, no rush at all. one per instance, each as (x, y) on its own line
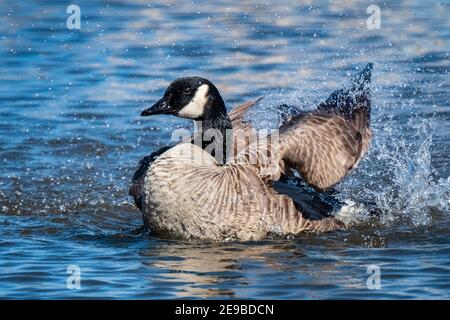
(184, 192)
(192, 98)
(197, 99)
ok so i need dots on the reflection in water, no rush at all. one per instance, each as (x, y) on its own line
(268, 269)
(218, 270)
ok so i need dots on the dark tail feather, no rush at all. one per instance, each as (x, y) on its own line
(353, 103)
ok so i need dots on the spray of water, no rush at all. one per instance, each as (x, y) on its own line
(396, 179)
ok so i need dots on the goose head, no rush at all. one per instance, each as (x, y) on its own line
(191, 98)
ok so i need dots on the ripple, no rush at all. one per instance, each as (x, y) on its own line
(71, 137)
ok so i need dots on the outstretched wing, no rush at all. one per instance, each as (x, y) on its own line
(244, 133)
(237, 114)
(323, 145)
(326, 144)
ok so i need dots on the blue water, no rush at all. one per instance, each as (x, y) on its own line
(71, 137)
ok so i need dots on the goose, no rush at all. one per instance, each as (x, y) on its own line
(186, 191)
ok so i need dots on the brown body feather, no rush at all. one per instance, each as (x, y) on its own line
(188, 195)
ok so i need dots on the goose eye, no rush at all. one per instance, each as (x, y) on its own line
(187, 91)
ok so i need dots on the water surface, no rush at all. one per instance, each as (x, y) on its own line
(71, 137)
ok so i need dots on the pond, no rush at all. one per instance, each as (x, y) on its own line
(71, 137)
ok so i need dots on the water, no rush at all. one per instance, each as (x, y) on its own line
(71, 137)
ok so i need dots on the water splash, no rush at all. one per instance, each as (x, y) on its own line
(396, 179)
(397, 176)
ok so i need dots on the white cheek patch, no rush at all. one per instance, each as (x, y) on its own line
(195, 108)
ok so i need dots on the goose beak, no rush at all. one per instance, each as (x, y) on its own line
(160, 107)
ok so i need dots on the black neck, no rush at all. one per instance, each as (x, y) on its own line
(221, 122)
(215, 129)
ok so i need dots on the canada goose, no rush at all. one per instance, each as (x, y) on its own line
(184, 192)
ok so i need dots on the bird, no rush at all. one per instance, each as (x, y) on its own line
(203, 189)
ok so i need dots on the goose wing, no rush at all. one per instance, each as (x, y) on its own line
(244, 133)
(324, 144)
(237, 114)
(285, 113)
(322, 147)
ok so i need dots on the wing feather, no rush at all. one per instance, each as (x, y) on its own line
(324, 145)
